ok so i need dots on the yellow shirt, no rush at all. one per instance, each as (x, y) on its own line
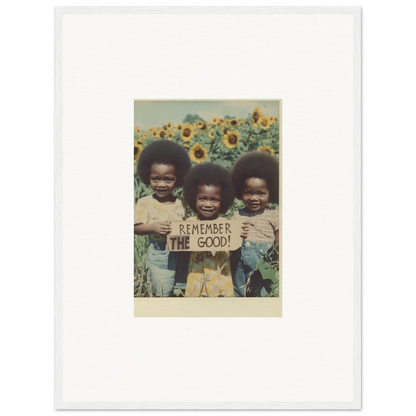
(149, 210)
(209, 274)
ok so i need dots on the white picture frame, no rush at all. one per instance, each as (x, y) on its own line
(103, 355)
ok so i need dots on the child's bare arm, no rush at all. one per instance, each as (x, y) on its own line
(276, 239)
(161, 227)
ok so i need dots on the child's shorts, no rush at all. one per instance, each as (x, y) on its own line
(161, 268)
(244, 263)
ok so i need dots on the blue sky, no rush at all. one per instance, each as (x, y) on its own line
(155, 113)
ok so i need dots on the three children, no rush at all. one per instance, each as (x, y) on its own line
(209, 190)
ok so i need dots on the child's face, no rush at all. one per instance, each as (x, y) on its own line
(255, 194)
(162, 179)
(208, 201)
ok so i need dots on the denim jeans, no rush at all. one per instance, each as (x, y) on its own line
(249, 254)
(161, 265)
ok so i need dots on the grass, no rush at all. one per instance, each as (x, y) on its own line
(141, 288)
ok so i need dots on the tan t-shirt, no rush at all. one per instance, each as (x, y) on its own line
(149, 210)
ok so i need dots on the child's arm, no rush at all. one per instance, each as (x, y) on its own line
(276, 239)
(244, 226)
(244, 230)
(161, 227)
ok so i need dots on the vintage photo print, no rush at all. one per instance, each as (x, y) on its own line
(206, 199)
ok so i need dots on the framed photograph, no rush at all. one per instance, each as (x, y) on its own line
(232, 147)
(221, 269)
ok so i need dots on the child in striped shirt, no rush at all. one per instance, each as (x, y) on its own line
(255, 179)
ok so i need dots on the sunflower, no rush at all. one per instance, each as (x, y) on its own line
(214, 120)
(203, 127)
(264, 122)
(197, 153)
(266, 149)
(151, 129)
(155, 133)
(211, 134)
(170, 125)
(272, 120)
(145, 135)
(170, 135)
(256, 115)
(233, 122)
(137, 150)
(179, 127)
(163, 134)
(186, 145)
(187, 132)
(137, 130)
(231, 139)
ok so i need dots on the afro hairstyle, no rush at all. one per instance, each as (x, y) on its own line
(260, 165)
(165, 153)
(209, 174)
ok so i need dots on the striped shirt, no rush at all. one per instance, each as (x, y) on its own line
(262, 224)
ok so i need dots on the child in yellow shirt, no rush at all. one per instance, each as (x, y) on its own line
(208, 191)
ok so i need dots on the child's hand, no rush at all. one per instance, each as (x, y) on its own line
(162, 227)
(244, 230)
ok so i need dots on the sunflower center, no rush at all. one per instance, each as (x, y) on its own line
(162, 133)
(264, 122)
(187, 132)
(199, 153)
(256, 116)
(233, 122)
(135, 150)
(232, 138)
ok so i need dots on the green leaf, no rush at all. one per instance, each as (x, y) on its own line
(177, 292)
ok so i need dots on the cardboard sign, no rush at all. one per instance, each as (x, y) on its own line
(217, 235)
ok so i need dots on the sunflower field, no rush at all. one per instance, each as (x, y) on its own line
(221, 140)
